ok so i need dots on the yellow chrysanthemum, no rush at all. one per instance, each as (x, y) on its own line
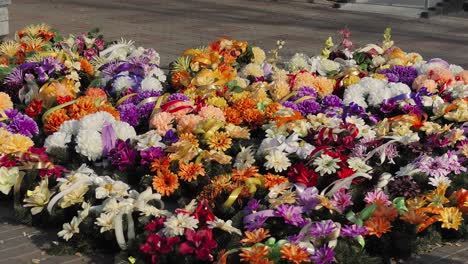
(220, 141)
(5, 101)
(9, 48)
(16, 143)
(218, 102)
(450, 217)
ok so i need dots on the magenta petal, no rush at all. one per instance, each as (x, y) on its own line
(186, 248)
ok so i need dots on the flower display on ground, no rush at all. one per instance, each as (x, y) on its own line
(238, 155)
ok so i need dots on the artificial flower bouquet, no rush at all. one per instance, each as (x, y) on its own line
(357, 155)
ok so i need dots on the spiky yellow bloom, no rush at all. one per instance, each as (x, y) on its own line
(9, 48)
(450, 217)
(437, 197)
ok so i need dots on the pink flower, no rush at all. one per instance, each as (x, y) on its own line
(424, 81)
(200, 242)
(212, 112)
(162, 122)
(463, 76)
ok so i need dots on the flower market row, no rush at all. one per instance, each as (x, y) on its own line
(357, 155)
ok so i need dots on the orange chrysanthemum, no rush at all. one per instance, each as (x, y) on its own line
(232, 116)
(220, 141)
(160, 164)
(377, 226)
(271, 180)
(253, 116)
(165, 182)
(190, 171)
(188, 137)
(86, 66)
(271, 109)
(255, 255)
(294, 254)
(414, 217)
(109, 109)
(85, 105)
(180, 79)
(97, 93)
(244, 174)
(387, 212)
(245, 103)
(54, 120)
(252, 237)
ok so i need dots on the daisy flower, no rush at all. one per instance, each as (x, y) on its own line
(224, 225)
(220, 141)
(176, 224)
(294, 253)
(165, 182)
(326, 164)
(358, 165)
(277, 160)
(245, 158)
(438, 180)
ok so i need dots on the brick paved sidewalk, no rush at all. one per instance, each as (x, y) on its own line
(21, 244)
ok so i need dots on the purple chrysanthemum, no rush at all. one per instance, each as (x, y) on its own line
(291, 214)
(290, 105)
(308, 107)
(178, 96)
(437, 166)
(323, 255)
(170, 136)
(353, 230)
(403, 74)
(304, 91)
(332, 101)
(123, 155)
(322, 228)
(144, 111)
(150, 154)
(129, 113)
(21, 124)
(341, 200)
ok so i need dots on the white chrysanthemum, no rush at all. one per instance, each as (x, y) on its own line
(355, 120)
(326, 164)
(176, 224)
(355, 94)
(123, 130)
(89, 144)
(298, 62)
(122, 82)
(398, 88)
(438, 180)
(277, 160)
(105, 221)
(224, 225)
(358, 165)
(327, 66)
(252, 69)
(376, 96)
(159, 74)
(149, 139)
(427, 67)
(151, 84)
(96, 121)
(57, 143)
(7, 178)
(70, 127)
(245, 158)
(366, 132)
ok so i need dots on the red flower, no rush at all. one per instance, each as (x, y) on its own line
(200, 242)
(300, 173)
(203, 213)
(155, 225)
(345, 173)
(34, 108)
(158, 246)
(64, 99)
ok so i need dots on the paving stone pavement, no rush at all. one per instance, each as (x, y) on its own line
(171, 26)
(21, 244)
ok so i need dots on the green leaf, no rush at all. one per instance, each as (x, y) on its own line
(366, 212)
(399, 204)
(351, 216)
(361, 241)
